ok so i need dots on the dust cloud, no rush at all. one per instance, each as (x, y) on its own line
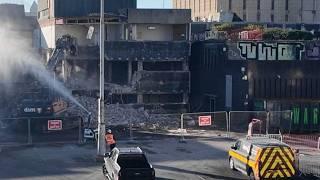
(17, 57)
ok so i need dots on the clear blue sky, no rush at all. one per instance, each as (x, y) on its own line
(141, 3)
(154, 4)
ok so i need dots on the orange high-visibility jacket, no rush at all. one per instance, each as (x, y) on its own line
(110, 139)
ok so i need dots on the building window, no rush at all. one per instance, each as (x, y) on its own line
(230, 5)
(287, 5)
(287, 18)
(258, 16)
(272, 18)
(244, 4)
(272, 5)
(258, 5)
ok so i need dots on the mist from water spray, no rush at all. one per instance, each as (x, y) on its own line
(18, 58)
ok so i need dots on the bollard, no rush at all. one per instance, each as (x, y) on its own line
(182, 139)
(80, 139)
(29, 132)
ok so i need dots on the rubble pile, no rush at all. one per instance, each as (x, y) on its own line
(118, 114)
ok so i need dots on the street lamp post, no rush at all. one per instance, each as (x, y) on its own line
(101, 149)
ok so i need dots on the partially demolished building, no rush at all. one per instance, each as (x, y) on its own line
(147, 52)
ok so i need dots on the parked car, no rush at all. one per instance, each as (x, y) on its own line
(262, 158)
(127, 164)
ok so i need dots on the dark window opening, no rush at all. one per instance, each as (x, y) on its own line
(122, 99)
(119, 74)
(287, 5)
(258, 5)
(272, 5)
(162, 98)
(162, 66)
(230, 5)
(244, 4)
(272, 18)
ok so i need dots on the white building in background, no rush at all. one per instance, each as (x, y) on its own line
(266, 11)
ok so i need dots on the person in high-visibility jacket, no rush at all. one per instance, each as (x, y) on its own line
(110, 140)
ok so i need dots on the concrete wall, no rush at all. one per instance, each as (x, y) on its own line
(48, 39)
(152, 32)
(158, 16)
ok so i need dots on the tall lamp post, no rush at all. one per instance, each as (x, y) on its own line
(101, 149)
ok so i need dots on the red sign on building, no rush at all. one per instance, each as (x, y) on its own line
(54, 125)
(205, 121)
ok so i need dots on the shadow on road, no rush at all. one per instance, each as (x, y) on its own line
(195, 173)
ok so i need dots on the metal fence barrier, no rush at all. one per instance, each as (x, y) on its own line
(279, 121)
(36, 130)
(239, 121)
(302, 141)
(309, 164)
(204, 121)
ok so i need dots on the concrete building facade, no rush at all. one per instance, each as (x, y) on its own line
(147, 53)
(265, 11)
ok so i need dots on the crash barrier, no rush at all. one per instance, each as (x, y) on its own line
(302, 141)
(40, 130)
(309, 164)
(195, 123)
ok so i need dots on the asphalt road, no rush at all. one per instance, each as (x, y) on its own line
(197, 159)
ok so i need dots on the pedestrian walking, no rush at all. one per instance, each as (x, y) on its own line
(110, 140)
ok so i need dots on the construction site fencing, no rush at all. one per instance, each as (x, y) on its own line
(44, 130)
(162, 122)
(279, 121)
(309, 164)
(239, 121)
(298, 141)
(205, 121)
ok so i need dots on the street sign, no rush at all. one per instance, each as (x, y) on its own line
(205, 121)
(54, 125)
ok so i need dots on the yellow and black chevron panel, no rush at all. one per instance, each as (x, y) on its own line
(276, 162)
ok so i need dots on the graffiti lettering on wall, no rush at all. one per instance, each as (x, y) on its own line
(208, 35)
(307, 115)
(253, 50)
(270, 51)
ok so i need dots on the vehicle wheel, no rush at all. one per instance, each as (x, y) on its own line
(104, 169)
(231, 164)
(251, 175)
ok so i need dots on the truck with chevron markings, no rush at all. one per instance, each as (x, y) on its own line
(262, 158)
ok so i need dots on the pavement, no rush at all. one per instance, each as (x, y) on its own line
(197, 159)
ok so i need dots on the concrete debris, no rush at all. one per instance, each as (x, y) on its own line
(118, 114)
(118, 89)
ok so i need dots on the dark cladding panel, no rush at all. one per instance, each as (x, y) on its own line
(147, 51)
(82, 8)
